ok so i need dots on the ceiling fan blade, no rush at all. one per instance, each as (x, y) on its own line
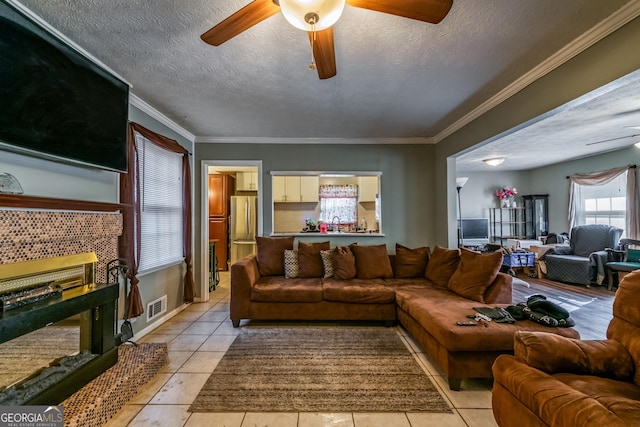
(250, 15)
(432, 11)
(324, 52)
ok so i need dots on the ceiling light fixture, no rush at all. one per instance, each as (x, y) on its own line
(312, 15)
(495, 161)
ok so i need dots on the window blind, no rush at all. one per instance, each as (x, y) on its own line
(160, 206)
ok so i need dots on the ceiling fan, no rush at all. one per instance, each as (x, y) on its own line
(317, 17)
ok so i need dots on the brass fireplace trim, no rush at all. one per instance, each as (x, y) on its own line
(19, 275)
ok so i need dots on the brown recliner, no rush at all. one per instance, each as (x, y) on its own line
(557, 381)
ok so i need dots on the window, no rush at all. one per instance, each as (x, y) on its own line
(339, 203)
(161, 210)
(604, 204)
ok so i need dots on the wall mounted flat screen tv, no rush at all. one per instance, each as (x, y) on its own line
(475, 231)
(55, 102)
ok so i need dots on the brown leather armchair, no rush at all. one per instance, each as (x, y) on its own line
(557, 381)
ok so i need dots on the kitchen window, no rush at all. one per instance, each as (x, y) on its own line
(339, 204)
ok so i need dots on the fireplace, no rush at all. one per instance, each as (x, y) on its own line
(41, 292)
(74, 241)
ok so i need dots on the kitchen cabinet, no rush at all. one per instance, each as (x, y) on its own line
(220, 192)
(295, 188)
(219, 232)
(309, 187)
(247, 181)
(367, 188)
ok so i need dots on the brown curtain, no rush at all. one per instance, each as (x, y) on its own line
(130, 240)
(603, 177)
(129, 194)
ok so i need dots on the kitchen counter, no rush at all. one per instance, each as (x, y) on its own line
(329, 234)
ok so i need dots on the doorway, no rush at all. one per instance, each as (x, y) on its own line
(242, 179)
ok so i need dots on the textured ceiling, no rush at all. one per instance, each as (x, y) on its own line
(397, 78)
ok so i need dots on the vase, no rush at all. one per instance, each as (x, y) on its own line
(514, 204)
(504, 203)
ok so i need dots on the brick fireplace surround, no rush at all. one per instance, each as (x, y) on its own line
(35, 228)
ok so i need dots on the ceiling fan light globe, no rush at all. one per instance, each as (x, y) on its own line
(328, 12)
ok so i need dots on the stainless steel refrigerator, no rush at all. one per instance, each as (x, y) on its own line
(243, 226)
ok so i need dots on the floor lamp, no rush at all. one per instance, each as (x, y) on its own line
(460, 182)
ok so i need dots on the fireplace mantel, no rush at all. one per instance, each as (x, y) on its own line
(37, 202)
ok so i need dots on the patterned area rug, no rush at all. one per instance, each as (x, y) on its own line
(341, 369)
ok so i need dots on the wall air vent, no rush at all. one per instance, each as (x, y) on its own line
(156, 308)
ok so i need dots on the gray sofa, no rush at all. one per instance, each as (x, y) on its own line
(584, 261)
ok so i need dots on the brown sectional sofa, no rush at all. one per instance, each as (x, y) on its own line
(428, 304)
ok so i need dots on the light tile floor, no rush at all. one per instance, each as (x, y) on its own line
(198, 337)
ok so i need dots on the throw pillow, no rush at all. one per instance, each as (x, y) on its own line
(291, 267)
(309, 258)
(344, 263)
(372, 262)
(270, 255)
(441, 266)
(475, 273)
(327, 264)
(410, 262)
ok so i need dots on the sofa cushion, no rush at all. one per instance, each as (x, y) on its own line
(280, 289)
(309, 259)
(291, 267)
(358, 291)
(441, 266)
(270, 256)
(372, 262)
(327, 264)
(344, 263)
(475, 273)
(438, 310)
(410, 262)
(606, 391)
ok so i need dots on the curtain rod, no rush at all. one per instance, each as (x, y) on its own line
(630, 167)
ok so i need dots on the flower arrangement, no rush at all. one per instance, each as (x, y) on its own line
(506, 193)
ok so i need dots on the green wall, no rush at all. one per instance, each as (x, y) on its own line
(611, 58)
(407, 182)
(552, 180)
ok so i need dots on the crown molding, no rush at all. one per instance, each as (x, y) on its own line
(142, 105)
(620, 18)
(287, 140)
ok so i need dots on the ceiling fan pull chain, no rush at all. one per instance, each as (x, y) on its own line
(312, 21)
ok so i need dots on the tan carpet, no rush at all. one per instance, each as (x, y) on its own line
(341, 369)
